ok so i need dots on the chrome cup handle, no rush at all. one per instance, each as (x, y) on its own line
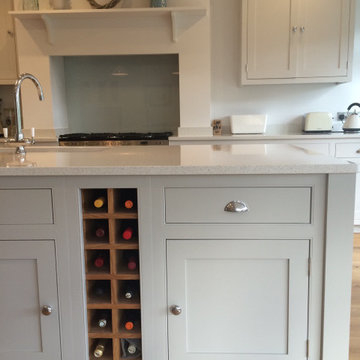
(236, 206)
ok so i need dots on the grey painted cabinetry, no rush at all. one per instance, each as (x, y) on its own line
(29, 308)
(241, 279)
(28, 287)
(292, 42)
(270, 282)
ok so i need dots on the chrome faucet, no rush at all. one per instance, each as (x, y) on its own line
(19, 136)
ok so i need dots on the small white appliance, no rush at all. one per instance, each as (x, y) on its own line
(248, 124)
(318, 122)
(352, 122)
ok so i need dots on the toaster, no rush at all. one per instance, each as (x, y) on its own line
(318, 122)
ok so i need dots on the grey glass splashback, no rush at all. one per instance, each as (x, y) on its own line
(122, 93)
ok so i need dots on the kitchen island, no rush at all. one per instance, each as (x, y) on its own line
(238, 252)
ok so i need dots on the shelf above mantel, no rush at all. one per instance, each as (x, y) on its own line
(182, 18)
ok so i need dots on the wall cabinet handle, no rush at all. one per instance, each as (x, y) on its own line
(236, 206)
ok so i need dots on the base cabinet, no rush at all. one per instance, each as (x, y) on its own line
(239, 299)
(28, 301)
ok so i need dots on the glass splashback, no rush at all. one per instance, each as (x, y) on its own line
(130, 93)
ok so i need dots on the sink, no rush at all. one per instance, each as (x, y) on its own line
(10, 148)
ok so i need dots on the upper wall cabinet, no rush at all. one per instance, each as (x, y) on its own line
(8, 71)
(297, 41)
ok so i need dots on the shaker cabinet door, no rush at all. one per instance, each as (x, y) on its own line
(270, 39)
(239, 299)
(27, 283)
(324, 38)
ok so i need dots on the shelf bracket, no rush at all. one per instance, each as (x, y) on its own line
(184, 20)
(49, 28)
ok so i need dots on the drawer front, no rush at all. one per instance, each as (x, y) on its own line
(265, 205)
(26, 206)
(349, 150)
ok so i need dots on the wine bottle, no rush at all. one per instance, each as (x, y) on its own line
(129, 204)
(99, 349)
(129, 325)
(132, 349)
(102, 320)
(100, 260)
(129, 294)
(100, 232)
(99, 202)
(128, 233)
(99, 290)
(131, 319)
(132, 263)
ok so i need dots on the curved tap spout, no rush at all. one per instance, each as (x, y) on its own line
(19, 136)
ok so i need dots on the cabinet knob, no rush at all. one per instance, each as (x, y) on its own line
(11, 33)
(236, 206)
(358, 151)
(294, 29)
(46, 310)
(175, 310)
(302, 29)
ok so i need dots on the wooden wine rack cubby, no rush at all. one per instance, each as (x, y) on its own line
(114, 276)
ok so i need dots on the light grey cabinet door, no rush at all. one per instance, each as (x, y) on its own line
(240, 299)
(28, 282)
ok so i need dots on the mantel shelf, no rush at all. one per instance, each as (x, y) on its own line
(182, 18)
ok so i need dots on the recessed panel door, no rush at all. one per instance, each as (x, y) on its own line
(28, 301)
(323, 38)
(271, 39)
(237, 299)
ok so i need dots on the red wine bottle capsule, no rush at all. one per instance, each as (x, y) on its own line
(129, 204)
(99, 261)
(132, 263)
(129, 325)
(127, 233)
(100, 232)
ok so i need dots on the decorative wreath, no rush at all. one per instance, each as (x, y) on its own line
(110, 4)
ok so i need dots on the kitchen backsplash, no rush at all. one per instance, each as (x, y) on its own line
(122, 93)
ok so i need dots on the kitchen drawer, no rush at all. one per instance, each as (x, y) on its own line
(26, 206)
(348, 150)
(266, 205)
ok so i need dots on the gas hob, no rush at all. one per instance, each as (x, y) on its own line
(114, 139)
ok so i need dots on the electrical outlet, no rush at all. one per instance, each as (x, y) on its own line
(341, 116)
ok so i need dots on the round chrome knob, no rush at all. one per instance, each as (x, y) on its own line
(175, 309)
(46, 310)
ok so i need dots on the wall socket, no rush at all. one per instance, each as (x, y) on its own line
(341, 116)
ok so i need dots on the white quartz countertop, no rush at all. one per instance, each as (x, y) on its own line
(269, 136)
(170, 160)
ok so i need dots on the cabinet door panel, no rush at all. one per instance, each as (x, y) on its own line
(27, 282)
(271, 51)
(240, 299)
(324, 41)
(7, 43)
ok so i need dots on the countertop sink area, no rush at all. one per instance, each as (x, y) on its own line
(169, 160)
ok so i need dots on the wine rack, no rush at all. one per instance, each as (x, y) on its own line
(111, 246)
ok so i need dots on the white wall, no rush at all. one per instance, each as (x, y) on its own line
(285, 104)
